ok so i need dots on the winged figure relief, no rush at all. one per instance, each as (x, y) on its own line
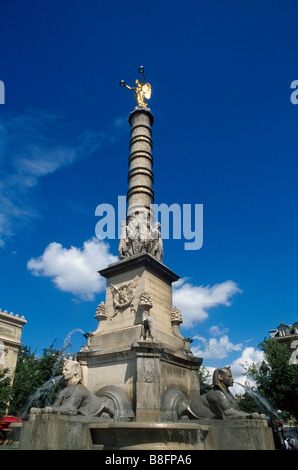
(123, 296)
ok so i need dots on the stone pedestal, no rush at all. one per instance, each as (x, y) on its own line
(118, 355)
(127, 280)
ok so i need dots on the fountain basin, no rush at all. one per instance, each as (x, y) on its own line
(61, 432)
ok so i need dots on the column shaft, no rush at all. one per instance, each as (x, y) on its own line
(140, 193)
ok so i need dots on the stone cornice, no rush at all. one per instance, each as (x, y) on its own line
(12, 318)
(143, 260)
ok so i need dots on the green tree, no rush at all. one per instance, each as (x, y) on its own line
(32, 374)
(205, 380)
(5, 391)
(25, 380)
(276, 379)
(248, 404)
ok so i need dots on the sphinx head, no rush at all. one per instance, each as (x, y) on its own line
(72, 372)
(222, 378)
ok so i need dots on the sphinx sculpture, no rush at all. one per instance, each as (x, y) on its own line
(75, 399)
(219, 403)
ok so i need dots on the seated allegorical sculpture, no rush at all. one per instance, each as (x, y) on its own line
(75, 399)
(219, 403)
(139, 236)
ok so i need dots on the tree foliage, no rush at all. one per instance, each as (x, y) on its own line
(248, 404)
(276, 379)
(5, 391)
(205, 380)
(31, 373)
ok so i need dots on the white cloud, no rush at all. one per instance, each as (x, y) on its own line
(215, 348)
(195, 301)
(249, 355)
(216, 330)
(74, 269)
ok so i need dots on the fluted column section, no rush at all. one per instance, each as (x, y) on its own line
(140, 193)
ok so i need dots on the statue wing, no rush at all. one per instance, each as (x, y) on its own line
(133, 283)
(147, 91)
(114, 289)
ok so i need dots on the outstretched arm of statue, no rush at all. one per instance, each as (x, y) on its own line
(141, 70)
(122, 84)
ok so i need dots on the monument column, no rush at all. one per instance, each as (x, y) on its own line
(140, 194)
(140, 233)
(137, 349)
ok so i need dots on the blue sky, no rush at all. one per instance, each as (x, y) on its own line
(225, 136)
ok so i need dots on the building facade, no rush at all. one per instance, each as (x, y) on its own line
(285, 333)
(11, 327)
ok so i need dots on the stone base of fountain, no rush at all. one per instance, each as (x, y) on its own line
(61, 432)
(238, 434)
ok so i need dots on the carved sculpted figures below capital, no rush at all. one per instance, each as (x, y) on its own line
(140, 236)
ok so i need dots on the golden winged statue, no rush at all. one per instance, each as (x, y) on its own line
(142, 90)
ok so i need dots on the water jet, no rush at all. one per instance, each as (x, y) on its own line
(264, 404)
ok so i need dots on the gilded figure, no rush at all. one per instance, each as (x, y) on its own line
(141, 89)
